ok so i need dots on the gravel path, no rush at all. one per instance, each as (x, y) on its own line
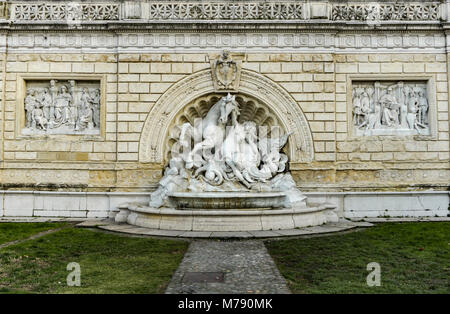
(245, 267)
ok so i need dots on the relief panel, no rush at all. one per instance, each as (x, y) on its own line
(390, 108)
(61, 107)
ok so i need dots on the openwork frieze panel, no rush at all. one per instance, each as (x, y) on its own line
(399, 11)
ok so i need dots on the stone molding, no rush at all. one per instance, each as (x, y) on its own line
(139, 42)
(269, 26)
(162, 115)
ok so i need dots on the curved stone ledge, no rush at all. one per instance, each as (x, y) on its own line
(177, 212)
(227, 201)
(226, 220)
(342, 225)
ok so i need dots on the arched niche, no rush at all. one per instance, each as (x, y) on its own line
(250, 109)
(268, 95)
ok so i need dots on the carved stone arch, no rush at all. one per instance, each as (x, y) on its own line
(160, 119)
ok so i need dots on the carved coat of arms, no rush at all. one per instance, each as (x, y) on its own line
(226, 72)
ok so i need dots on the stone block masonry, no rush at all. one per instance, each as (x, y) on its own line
(307, 80)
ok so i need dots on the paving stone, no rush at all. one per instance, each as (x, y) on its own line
(196, 234)
(193, 277)
(231, 234)
(246, 265)
(317, 229)
(293, 232)
(135, 230)
(263, 234)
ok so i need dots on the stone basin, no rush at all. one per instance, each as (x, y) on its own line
(227, 200)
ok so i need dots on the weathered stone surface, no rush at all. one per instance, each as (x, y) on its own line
(309, 75)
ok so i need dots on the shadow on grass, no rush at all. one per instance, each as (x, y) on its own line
(109, 263)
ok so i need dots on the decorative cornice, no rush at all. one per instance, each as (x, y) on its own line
(273, 25)
(378, 12)
(222, 10)
(71, 12)
(226, 10)
(138, 42)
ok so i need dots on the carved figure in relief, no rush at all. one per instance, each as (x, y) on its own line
(390, 107)
(404, 107)
(412, 111)
(86, 111)
(357, 111)
(373, 120)
(73, 106)
(46, 101)
(423, 107)
(39, 120)
(62, 103)
(365, 104)
(53, 93)
(397, 106)
(60, 109)
(96, 107)
(30, 103)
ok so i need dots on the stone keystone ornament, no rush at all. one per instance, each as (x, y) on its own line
(225, 72)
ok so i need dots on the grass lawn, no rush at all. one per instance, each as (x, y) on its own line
(109, 263)
(414, 258)
(11, 231)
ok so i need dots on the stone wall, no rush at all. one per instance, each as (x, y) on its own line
(319, 83)
(397, 161)
(316, 66)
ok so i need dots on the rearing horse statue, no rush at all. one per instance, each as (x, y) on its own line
(211, 130)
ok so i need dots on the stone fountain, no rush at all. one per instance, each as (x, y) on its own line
(225, 174)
